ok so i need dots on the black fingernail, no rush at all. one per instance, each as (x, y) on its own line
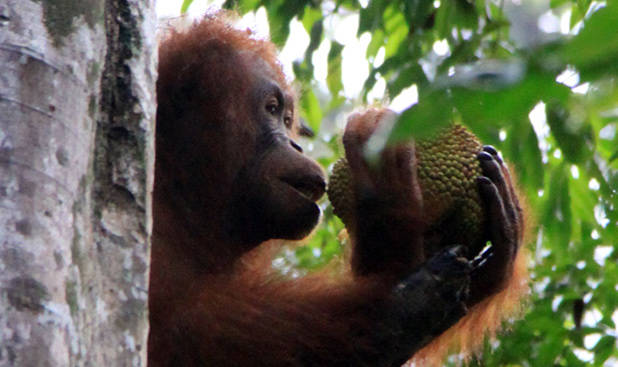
(484, 156)
(490, 149)
(483, 180)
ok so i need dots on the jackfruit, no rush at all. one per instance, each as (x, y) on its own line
(447, 167)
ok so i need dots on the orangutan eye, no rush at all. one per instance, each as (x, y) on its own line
(272, 106)
(287, 121)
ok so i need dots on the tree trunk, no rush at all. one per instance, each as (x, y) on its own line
(77, 111)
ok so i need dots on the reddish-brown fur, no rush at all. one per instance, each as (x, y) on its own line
(219, 206)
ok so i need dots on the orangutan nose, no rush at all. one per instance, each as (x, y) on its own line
(296, 146)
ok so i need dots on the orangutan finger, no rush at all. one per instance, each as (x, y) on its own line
(499, 225)
(493, 170)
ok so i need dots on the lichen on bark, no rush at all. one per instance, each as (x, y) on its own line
(26, 293)
(60, 15)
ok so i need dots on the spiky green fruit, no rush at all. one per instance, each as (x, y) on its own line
(447, 166)
(339, 191)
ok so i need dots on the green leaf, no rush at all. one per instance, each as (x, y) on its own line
(280, 14)
(583, 5)
(509, 103)
(304, 70)
(242, 6)
(557, 213)
(604, 349)
(396, 30)
(418, 11)
(573, 361)
(573, 140)
(423, 119)
(455, 14)
(557, 3)
(583, 200)
(549, 350)
(185, 6)
(377, 41)
(310, 18)
(594, 51)
(311, 110)
(279, 24)
(371, 16)
(408, 75)
(317, 29)
(524, 145)
(333, 79)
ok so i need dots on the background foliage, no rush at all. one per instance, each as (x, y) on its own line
(537, 81)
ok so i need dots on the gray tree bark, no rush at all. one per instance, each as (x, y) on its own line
(77, 111)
